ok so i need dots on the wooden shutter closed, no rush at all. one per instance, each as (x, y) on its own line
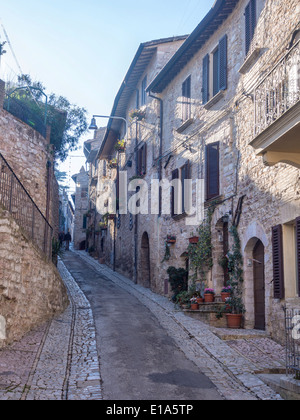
(175, 175)
(223, 63)
(212, 171)
(278, 267)
(205, 77)
(250, 21)
(298, 250)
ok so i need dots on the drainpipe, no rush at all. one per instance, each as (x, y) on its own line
(160, 133)
(136, 224)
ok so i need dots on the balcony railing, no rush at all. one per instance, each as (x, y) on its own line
(292, 329)
(15, 199)
(279, 91)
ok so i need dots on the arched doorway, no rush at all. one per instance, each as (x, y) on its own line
(259, 286)
(145, 279)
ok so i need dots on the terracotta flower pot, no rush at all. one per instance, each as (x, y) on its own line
(234, 321)
(200, 300)
(209, 298)
(225, 296)
(194, 240)
(195, 307)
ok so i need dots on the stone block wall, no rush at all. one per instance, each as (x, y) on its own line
(31, 290)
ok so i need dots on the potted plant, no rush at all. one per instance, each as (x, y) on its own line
(209, 295)
(113, 164)
(178, 281)
(120, 146)
(235, 310)
(137, 114)
(171, 239)
(194, 240)
(194, 304)
(103, 225)
(226, 293)
(184, 300)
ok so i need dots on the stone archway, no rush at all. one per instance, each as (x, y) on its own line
(145, 275)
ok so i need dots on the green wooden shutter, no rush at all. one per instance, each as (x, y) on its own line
(278, 265)
(205, 77)
(175, 175)
(223, 63)
(250, 21)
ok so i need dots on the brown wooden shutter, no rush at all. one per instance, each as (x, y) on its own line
(212, 171)
(298, 250)
(278, 265)
(144, 159)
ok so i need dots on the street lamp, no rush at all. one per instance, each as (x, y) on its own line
(93, 125)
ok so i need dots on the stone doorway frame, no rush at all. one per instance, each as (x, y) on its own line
(254, 233)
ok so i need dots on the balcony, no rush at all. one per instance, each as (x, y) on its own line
(277, 112)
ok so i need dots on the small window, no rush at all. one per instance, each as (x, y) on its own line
(212, 171)
(186, 99)
(250, 23)
(144, 93)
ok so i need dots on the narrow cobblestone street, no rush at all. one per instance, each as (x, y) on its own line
(101, 348)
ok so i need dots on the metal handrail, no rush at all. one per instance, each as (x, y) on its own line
(16, 199)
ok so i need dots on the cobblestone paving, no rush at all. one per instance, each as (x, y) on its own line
(57, 361)
(223, 362)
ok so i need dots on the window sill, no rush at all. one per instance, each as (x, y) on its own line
(185, 125)
(250, 60)
(209, 202)
(178, 217)
(214, 100)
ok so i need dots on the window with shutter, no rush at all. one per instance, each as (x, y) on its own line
(223, 63)
(205, 82)
(186, 99)
(298, 252)
(250, 23)
(142, 160)
(184, 175)
(174, 212)
(278, 267)
(212, 171)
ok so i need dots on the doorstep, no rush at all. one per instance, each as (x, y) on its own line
(207, 313)
(227, 334)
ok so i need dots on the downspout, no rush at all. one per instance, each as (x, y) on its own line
(160, 133)
(136, 227)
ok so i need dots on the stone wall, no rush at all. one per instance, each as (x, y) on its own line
(31, 290)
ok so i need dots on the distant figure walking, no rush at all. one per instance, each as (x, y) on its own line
(68, 239)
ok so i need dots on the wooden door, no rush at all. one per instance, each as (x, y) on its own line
(259, 286)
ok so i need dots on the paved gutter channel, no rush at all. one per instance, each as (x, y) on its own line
(233, 374)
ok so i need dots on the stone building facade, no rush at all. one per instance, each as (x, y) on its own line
(223, 109)
(31, 290)
(81, 209)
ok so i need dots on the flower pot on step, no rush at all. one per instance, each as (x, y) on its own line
(234, 321)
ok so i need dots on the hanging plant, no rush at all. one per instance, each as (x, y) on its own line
(137, 114)
(167, 255)
(120, 146)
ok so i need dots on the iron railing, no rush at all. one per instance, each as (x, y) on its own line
(292, 329)
(15, 199)
(279, 91)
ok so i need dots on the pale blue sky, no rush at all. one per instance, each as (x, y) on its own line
(83, 49)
